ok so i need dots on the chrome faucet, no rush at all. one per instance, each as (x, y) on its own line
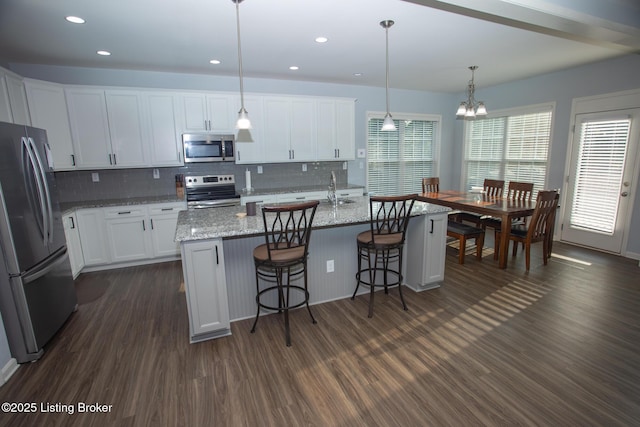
(332, 189)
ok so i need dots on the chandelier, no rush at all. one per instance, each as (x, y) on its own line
(470, 109)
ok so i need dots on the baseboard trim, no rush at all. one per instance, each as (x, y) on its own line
(8, 370)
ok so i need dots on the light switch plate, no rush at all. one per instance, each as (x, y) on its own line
(95, 177)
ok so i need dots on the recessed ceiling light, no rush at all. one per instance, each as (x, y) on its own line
(321, 39)
(75, 19)
(214, 61)
(294, 67)
(103, 52)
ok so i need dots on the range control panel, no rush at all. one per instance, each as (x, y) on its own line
(209, 180)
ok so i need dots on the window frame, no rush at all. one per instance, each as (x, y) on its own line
(437, 118)
(509, 112)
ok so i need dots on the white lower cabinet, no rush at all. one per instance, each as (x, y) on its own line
(74, 247)
(127, 233)
(93, 239)
(163, 220)
(206, 289)
(426, 251)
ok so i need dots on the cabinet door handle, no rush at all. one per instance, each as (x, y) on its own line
(151, 220)
(293, 154)
(110, 161)
(217, 260)
(338, 153)
(73, 160)
(124, 213)
(300, 198)
(143, 227)
(115, 162)
(431, 232)
(238, 154)
(166, 209)
(73, 223)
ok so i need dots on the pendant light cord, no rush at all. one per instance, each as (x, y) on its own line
(387, 59)
(239, 53)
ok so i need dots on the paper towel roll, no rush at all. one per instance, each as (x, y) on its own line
(247, 178)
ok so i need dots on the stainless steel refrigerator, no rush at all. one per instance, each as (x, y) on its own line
(37, 294)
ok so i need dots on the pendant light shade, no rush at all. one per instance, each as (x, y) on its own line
(388, 124)
(470, 109)
(243, 117)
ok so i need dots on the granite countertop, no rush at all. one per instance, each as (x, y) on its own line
(202, 224)
(85, 204)
(305, 189)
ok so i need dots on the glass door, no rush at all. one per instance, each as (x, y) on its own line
(600, 182)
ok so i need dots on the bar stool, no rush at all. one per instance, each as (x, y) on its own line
(282, 259)
(383, 244)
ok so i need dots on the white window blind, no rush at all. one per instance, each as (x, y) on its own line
(510, 148)
(398, 160)
(603, 146)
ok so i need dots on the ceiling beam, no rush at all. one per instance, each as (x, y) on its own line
(548, 18)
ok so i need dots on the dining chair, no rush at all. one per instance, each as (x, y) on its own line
(282, 259)
(538, 229)
(516, 191)
(431, 185)
(492, 188)
(382, 245)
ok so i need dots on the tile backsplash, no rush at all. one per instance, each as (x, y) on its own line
(76, 186)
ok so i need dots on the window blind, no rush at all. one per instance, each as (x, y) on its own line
(602, 150)
(511, 148)
(398, 160)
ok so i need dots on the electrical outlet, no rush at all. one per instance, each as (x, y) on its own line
(344, 166)
(260, 169)
(330, 266)
(156, 174)
(304, 167)
(95, 177)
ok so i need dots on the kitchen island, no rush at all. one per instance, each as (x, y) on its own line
(217, 261)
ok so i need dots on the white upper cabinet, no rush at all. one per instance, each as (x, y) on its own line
(289, 129)
(336, 129)
(48, 110)
(89, 127)
(107, 128)
(165, 144)
(207, 112)
(17, 100)
(250, 144)
(124, 111)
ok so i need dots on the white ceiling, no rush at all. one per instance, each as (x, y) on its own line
(431, 44)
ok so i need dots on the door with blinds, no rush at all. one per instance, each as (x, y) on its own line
(600, 183)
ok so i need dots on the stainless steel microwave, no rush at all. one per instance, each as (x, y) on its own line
(208, 147)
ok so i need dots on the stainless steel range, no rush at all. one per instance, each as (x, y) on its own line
(211, 191)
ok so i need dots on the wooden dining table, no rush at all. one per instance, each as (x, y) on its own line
(503, 208)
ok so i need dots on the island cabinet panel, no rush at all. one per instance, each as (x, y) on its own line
(207, 304)
(426, 251)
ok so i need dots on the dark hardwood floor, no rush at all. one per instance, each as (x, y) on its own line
(559, 346)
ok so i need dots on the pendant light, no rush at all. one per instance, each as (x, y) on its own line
(243, 117)
(470, 109)
(388, 124)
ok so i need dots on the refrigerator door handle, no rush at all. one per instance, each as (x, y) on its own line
(43, 271)
(33, 170)
(43, 180)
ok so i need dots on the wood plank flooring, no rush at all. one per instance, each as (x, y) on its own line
(558, 346)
